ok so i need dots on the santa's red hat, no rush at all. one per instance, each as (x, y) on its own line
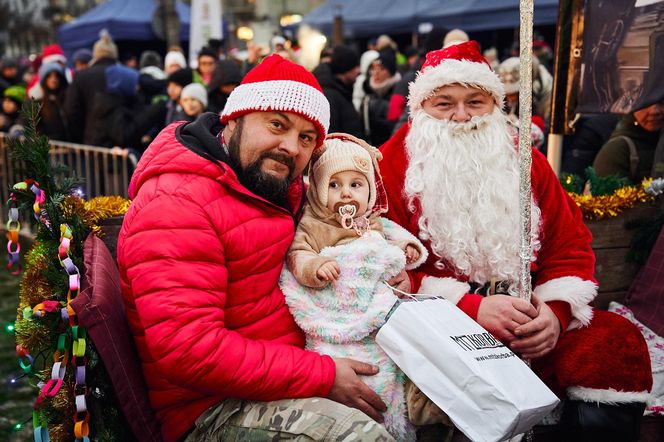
(53, 53)
(280, 85)
(458, 64)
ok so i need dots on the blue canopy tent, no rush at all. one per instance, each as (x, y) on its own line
(371, 17)
(124, 20)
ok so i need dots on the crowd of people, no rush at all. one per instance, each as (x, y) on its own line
(98, 100)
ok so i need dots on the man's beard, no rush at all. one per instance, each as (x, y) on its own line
(252, 176)
(465, 176)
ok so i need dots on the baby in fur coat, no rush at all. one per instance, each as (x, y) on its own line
(342, 254)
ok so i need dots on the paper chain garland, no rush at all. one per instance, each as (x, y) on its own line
(77, 333)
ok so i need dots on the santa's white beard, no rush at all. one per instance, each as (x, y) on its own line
(466, 179)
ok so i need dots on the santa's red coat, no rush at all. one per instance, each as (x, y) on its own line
(563, 277)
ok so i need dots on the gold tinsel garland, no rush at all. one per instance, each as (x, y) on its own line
(608, 206)
(35, 335)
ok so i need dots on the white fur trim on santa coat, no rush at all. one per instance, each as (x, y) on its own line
(448, 288)
(452, 71)
(578, 293)
(608, 396)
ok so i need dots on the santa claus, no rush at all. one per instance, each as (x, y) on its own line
(452, 178)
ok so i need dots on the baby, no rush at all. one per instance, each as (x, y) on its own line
(342, 254)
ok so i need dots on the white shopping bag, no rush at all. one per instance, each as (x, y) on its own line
(486, 390)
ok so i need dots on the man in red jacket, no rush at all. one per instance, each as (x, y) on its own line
(200, 253)
(452, 178)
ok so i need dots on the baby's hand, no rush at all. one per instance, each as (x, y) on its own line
(328, 271)
(412, 254)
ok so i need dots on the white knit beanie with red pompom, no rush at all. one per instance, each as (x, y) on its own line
(280, 85)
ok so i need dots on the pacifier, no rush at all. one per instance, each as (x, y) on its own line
(347, 212)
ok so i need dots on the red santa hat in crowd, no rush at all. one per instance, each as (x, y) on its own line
(280, 85)
(53, 53)
(458, 64)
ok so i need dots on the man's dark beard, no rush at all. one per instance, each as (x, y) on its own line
(253, 178)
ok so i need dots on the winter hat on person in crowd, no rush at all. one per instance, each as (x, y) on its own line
(52, 54)
(455, 37)
(387, 58)
(149, 58)
(47, 68)
(207, 51)
(508, 72)
(344, 59)
(83, 55)
(280, 85)
(459, 64)
(104, 47)
(175, 57)
(182, 77)
(15, 93)
(342, 153)
(196, 91)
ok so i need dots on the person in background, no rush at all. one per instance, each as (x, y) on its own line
(508, 72)
(81, 59)
(50, 54)
(207, 60)
(152, 79)
(225, 78)
(174, 61)
(455, 37)
(174, 85)
(337, 79)
(630, 150)
(130, 60)
(375, 106)
(193, 101)
(52, 120)
(9, 75)
(359, 93)
(12, 100)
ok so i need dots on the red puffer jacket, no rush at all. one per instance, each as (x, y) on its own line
(200, 258)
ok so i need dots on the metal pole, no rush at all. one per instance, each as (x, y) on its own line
(525, 143)
(171, 23)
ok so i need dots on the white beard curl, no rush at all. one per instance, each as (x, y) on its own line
(466, 179)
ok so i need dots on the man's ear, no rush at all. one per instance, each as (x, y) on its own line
(230, 125)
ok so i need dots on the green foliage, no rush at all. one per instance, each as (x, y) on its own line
(572, 183)
(32, 153)
(599, 186)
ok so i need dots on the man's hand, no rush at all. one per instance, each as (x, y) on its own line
(412, 254)
(329, 271)
(348, 388)
(539, 336)
(502, 314)
(400, 282)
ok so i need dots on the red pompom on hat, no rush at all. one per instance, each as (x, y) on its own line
(53, 53)
(280, 85)
(458, 64)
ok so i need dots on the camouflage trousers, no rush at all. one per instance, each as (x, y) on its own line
(312, 419)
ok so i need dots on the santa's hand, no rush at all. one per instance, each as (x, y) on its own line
(400, 282)
(502, 314)
(539, 336)
(329, 271)
(412, 254)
